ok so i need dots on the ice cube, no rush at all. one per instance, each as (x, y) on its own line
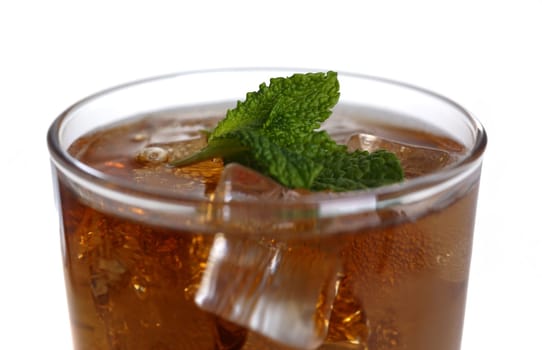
(239, 183)
(278, 288)
(179, 131)
(284, 292)
(194, 178)
(416, 159)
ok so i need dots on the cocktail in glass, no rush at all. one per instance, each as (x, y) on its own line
(214, 256)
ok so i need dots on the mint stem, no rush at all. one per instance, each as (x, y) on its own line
(215, 149)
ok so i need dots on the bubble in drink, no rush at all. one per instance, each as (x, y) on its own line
(153, 154)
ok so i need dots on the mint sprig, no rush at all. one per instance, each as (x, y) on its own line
(274, 131)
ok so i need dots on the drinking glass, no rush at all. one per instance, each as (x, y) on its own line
(247, 264)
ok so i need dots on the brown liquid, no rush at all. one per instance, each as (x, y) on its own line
(132, 286)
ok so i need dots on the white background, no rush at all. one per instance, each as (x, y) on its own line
(483, 54)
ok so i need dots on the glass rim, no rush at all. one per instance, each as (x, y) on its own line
(405, 192)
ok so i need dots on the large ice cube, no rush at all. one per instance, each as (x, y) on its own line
(282, 292)
(416, 159)
(278, 287)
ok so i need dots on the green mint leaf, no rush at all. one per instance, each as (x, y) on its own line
(288, 166)
(274, 131)
(286, 109)
(344, 171)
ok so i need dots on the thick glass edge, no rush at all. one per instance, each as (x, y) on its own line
(366, 200)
